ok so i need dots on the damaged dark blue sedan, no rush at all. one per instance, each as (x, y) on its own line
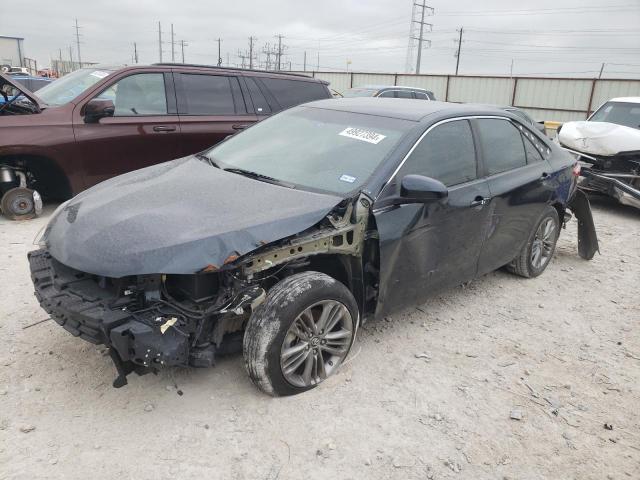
(283, 239)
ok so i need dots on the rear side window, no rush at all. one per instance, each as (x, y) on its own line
(404, 94)
(259, 102)
(387, 94)
(207, 94)
(422, 96)
(447, 153)
(502, 145)
(289, 93)
(533, 155)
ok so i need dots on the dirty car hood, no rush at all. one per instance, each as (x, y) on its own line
(6, 79)
(177, 217)
(599, 138)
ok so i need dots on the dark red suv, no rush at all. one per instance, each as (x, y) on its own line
(100, 122)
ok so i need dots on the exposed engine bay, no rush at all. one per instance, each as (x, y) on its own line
(152, 321)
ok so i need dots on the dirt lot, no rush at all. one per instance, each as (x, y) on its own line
(428, 393)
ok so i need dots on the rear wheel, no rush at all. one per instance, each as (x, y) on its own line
(300, 334)
(20, 203)
(539, 249)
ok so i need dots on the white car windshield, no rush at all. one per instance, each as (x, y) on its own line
(313, 148)
(620, 113)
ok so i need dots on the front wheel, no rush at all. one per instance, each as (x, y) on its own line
(537, 252)
(300, 334)
(21, 204)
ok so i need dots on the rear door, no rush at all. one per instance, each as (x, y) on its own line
(143, 130)
(211, 107)
(520, 184)
(430, 246)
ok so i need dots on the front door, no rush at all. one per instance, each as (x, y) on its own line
(143, 130)
(211, 107)
(425, 247)
(521, 186)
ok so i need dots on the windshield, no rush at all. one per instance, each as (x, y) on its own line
(315, 149)
(67, 88)
(620, 113)
(359, 92)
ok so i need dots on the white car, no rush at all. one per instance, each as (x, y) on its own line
(608, 144)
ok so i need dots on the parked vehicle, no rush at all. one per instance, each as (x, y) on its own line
(286, 237)
(389, 91)
(99, 122)
(31, 83)
(608, 145)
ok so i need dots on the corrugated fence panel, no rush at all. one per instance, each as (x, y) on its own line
(553, 94)
(337, 81)
(496, 91)
(608, 89)
(361, 79)
(540, 115)
(435, 83)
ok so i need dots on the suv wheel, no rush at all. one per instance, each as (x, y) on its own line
(300, 334)
(539, 249)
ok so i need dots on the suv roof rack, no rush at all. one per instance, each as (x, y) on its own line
(277, 72)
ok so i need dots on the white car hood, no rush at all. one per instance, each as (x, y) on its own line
(599, 138)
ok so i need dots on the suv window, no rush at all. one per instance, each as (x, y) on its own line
(404, 94)
(259, 101)
(207, 94)
(421, 96)
(387, 94)
(533, 155)
(289, 93)
(139, 94)
(447, 153)
(502, 145)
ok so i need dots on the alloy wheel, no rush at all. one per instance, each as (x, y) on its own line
(543, 243)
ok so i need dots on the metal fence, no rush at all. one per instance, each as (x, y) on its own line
(555, 99)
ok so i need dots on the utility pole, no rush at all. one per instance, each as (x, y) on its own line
(601, 71)
(160, 41)
(60, 64)
(304, 65)
(422, 23)
(318, 61)
(78, 43)
(458, 52)
(173, 46)
(135, 52)
(280, 48)
(219, 55)
(182, 45)
(251, 40)
(70, 59)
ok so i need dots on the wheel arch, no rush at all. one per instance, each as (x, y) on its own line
(48, 177)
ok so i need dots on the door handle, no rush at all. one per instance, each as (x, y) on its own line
(239, 127)
(479, 201)
(164, 128)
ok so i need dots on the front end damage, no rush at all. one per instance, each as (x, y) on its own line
(161, 320)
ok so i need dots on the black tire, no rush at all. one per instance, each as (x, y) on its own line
(18, 204)
(269, 325)
(524, 264)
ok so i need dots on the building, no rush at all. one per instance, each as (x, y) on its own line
(12, 51)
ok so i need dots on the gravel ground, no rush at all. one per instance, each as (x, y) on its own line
(504, 378)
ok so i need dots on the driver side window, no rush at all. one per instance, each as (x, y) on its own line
(140, 94)
(447, 153)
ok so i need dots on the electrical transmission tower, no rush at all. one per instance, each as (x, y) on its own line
(416, 34)
(78, 35)
(251, 54)
(270, 52)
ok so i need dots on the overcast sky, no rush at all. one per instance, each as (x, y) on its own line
(543, 37)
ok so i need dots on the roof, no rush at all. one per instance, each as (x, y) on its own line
(405, 109)
(233, 69)
(626, 99)
(396, 87)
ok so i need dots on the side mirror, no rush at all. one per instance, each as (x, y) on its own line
(96, 109)
(422, 189)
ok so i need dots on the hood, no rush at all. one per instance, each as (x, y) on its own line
(7, 80)
(177, 217)
(599, 138)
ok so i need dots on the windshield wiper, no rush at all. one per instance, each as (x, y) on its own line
(209, 160)
(259, 176)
